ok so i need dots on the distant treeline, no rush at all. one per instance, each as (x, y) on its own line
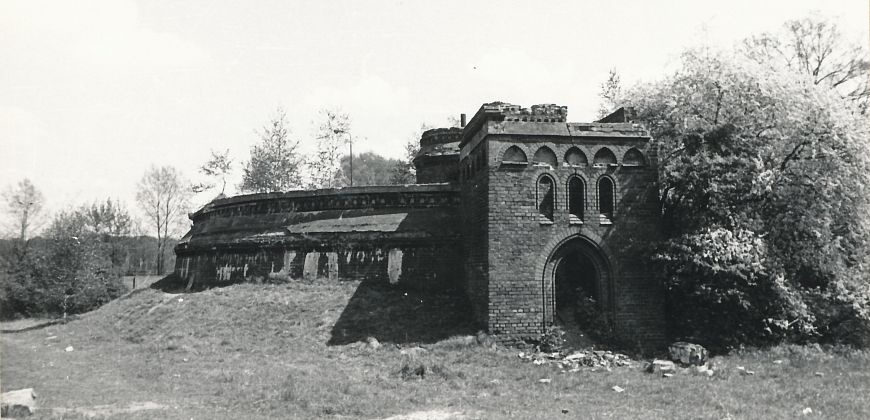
(61, 273)
(135, 255)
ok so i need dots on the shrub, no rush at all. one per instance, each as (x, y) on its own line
(68, 273)
(721, 292)
(552, 340)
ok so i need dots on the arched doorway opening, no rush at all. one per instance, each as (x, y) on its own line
(577, 289)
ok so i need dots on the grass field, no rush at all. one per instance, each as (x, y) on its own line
(299, 351)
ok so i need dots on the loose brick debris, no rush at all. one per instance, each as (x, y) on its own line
(575, 360)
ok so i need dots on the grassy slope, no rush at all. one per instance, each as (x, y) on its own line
(290, 351)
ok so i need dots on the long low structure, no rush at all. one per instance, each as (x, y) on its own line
(533, 216)
(397, 234)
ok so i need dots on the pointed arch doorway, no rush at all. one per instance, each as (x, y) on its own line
(577, 284)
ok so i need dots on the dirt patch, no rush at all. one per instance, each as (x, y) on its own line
(428, 415)
(110, 409)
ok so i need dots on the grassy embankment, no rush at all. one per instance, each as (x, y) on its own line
(298, 351)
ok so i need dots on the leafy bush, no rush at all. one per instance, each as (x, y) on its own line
(68, 273)
(723, 294)
(765, 204)
(552, 340)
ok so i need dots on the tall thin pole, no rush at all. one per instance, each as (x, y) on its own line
(350, 137)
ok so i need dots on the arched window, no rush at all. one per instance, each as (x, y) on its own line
(514, 155)
(633, 157)
(545, 156)
(604, 157)
(546, 197)
(605, 200)
(576, 199)
(576, 157)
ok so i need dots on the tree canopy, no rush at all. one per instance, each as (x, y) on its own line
(325, 166)
(815, 48)
(164, 198)
(765, 200)
(275, 164)
(369, 168)
(217, 168)
(24, 203)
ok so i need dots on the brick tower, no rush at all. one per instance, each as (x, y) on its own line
(555, 213)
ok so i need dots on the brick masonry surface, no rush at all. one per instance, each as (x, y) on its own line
(477, 223)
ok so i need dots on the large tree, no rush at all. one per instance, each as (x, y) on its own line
(275, 163)
(764, 177)
(815, 48)
(24, 204)
(325, 166)
(164, 197)
(111, 222)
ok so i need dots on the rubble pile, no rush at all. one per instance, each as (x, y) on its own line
(578, 359)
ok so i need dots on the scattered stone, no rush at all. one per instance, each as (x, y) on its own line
(577, 359)
(807, 411)
(68, 349)
(564, 411)
(667, 375)
(617, 388)
(20, 403)
(703, 370)
(818, 374)
(777, 362)
(661, 366)
(545, 380)
(373, 343)
(688, 353)
(744, 371)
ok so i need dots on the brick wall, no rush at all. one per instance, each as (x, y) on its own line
(521, 240)
(474, 181)
(483, 232)
(440, 168)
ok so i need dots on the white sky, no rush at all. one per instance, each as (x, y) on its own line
(93, 93)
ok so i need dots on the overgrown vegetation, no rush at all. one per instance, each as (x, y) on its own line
(74, 268)
(764, 173)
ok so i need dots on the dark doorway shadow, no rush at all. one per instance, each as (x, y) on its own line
(393, 314)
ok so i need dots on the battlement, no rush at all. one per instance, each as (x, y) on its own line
(511, 112)
(503, 111)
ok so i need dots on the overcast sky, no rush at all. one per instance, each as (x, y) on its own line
(93, 93)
